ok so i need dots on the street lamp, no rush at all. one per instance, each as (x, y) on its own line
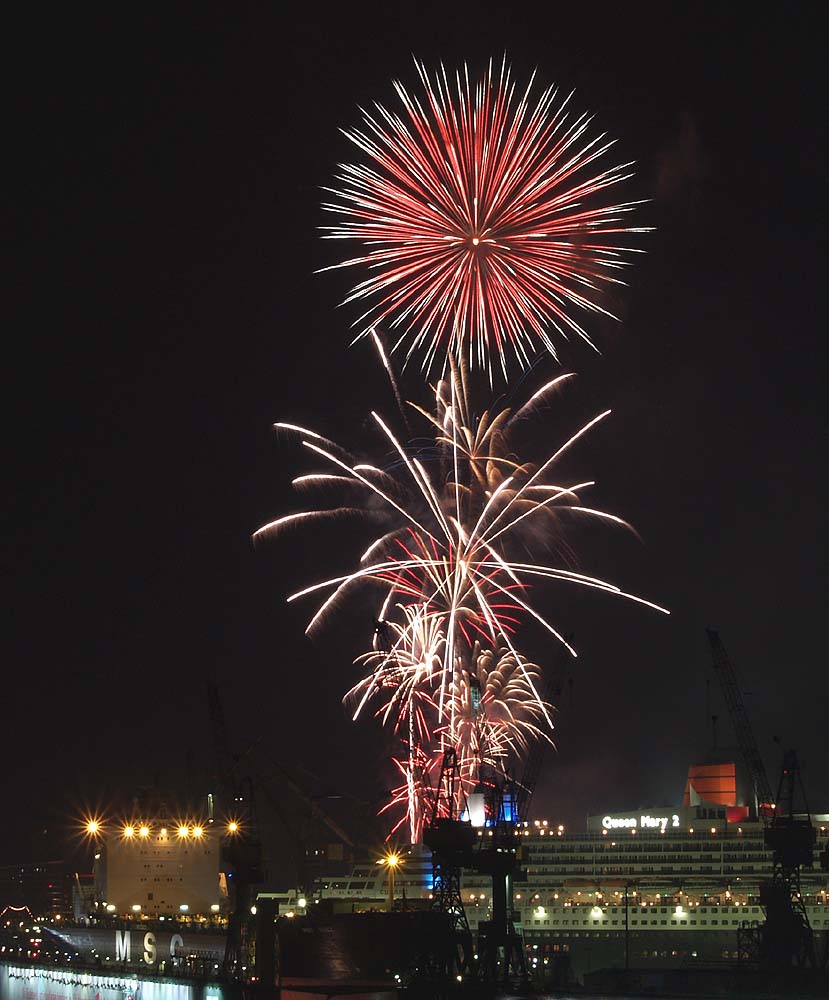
(391, 861)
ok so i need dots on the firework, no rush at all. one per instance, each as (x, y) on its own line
(495, 709)
(450, 518)
(484, 219)
(403, 670)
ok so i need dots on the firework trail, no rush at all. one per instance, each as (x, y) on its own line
(449, 519)
(495, 706)
(483, 218)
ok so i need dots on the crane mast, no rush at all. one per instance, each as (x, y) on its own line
(740, 721)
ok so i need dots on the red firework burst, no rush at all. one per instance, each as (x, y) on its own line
(482, 219)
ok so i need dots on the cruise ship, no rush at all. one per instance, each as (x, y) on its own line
(661, 887)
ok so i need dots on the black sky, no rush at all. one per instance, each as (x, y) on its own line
(164, 312)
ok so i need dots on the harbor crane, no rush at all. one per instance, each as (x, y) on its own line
(785, 937)
(242, 847)
(490, 849)
(492, 846)
(450, 840)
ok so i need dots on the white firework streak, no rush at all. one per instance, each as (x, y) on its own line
(454, 596)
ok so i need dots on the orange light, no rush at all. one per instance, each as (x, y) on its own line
(129, 831)
(143, 831)
(93, 826)
(197, 831)
(183, 831)
(233, 826)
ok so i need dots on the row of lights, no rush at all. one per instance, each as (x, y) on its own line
(183, 907)
(129, 831)
(633, 894)
(597, 910)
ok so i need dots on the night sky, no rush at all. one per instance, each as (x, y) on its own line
(165, 312)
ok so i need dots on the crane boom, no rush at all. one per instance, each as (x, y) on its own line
(316, 810)
(740, 721)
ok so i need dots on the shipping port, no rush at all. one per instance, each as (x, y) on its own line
(671, 887)
(729, 878)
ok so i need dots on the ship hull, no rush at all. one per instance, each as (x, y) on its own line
(140, 947)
